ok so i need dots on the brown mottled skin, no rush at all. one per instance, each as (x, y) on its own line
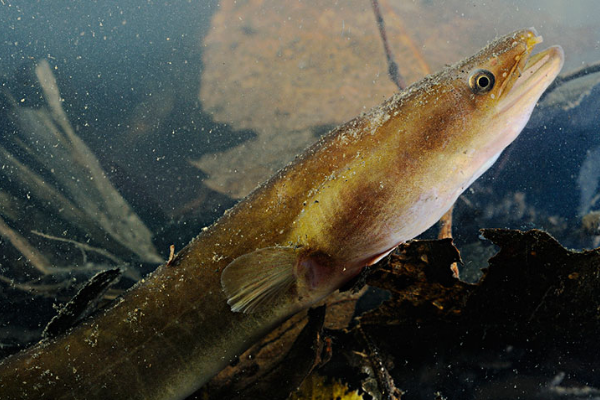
(369, 185)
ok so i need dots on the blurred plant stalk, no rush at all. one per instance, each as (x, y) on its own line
(44, 164)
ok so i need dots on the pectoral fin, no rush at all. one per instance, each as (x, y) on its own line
(255, 280)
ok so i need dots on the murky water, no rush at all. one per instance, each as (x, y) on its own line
(167, 113)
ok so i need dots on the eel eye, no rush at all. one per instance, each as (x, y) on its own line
(481, 81)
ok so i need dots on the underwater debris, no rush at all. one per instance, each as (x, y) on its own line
(534, 309)
(393, 70)
(68, 180)
(535, 312)
(83, 304)
(52, 182)
(33, 256)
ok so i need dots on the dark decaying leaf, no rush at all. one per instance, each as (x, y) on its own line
(83, 304)
(528, 329)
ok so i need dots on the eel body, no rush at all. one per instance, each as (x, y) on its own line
(377, 181)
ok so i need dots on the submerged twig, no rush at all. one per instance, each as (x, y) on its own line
(46, 290)
(81, 246)
(129, 272)
(446, 233)
(171, 254)
(393, 70)
(50, 289)
(35, 258)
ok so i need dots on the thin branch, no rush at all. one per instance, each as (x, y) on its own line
(35, 258)
(393, 70)
(82, 246)
(446, 232)
(46, 290)
(129, 272)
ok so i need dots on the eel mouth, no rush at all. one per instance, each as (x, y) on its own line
(533, 74)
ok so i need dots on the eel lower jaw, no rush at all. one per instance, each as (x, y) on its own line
(538, 73)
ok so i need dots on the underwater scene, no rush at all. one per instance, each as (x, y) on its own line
(300, 199)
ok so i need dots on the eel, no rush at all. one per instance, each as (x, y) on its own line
(377, 181)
